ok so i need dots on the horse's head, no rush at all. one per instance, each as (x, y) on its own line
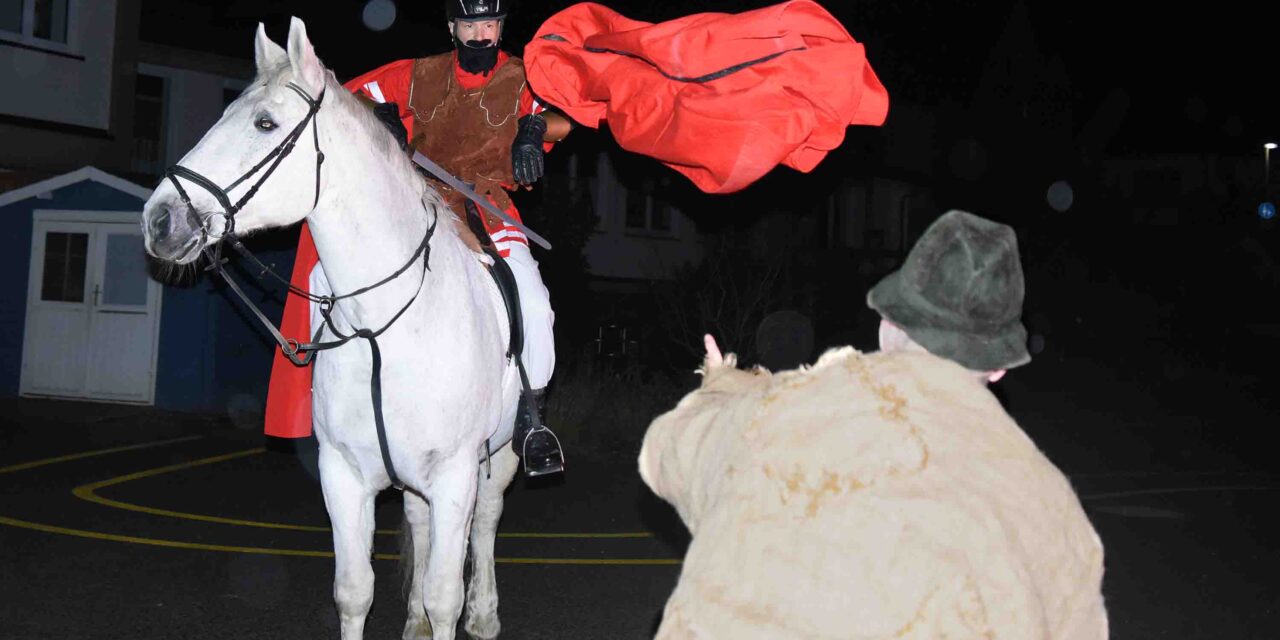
(204, 196)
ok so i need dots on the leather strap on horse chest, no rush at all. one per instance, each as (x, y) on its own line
(292, 348)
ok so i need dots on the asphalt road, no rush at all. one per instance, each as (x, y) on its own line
(120, 522)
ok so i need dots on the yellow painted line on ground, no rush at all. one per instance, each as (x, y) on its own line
(89, 454)
(89, 492)
(1165, 491)
(601, 536)
(177, 544)
(155, 542)
(632, 562)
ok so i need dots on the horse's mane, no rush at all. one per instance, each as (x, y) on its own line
(375, 134)
(367, 130)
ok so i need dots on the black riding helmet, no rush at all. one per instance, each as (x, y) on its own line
(477, 9)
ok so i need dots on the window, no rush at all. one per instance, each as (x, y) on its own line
(637, 209)
(65, 259)
(11, 15)
(646, 211)
(125, 271)
(660, 216)
(148, 124)
(38, 19)
(831, 233)
(50, 20)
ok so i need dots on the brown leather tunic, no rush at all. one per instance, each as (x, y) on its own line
(468, 133)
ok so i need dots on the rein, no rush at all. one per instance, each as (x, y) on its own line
(300, 354)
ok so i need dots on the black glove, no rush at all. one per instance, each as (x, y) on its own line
(526, 149)
(389, 114)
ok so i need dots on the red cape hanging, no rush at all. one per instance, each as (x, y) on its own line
(288, 412)
(721, 98)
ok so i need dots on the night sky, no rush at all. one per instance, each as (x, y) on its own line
(1197, 79)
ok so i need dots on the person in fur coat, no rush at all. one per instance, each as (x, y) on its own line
(886, 494)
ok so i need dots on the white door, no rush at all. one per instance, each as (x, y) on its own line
(93, 314)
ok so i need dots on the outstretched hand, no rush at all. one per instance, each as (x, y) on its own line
(714, 357)
(526, 150)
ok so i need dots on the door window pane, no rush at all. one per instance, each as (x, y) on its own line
(65, 259)
(124, 281)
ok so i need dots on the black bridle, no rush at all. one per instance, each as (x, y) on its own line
(274, 158)
(300, 354)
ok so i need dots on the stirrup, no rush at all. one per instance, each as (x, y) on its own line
(543, 462)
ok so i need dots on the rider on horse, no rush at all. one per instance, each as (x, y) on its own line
(720, 98)
(471, 111)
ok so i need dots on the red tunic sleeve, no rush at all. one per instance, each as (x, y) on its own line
(391, 82)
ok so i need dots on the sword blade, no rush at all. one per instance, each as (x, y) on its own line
(447, 178)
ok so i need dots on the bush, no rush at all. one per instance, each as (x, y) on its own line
(601, 410)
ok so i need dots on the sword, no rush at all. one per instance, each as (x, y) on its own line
(447, 178)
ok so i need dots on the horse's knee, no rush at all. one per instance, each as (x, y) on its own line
(353, 590)
(444, 601)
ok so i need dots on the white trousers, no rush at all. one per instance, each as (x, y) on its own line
(539, 352)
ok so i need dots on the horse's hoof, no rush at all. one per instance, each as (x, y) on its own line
(419, 630)
(483, 629)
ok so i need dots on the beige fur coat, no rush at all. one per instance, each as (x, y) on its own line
(869, 496)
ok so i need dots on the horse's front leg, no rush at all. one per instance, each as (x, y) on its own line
(451, 491)
(482, 591)
(350, 505)
(413, 554)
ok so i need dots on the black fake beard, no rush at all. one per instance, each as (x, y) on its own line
(477, 56)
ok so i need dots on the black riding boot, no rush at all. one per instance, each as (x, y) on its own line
(537, 447)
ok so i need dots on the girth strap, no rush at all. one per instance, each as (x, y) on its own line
(375, 393)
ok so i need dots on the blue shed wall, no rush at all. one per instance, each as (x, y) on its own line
(212, 353)
(17, 219)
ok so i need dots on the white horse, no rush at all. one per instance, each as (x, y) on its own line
(448, 389)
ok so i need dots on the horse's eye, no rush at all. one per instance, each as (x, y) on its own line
(264, 123)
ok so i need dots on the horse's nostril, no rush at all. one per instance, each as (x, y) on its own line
(160, 224)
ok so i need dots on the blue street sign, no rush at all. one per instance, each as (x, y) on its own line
(1267, 211)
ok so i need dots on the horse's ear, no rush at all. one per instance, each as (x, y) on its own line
(307, 70)
(266, 53)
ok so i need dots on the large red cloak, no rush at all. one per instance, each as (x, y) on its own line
(721, 98)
